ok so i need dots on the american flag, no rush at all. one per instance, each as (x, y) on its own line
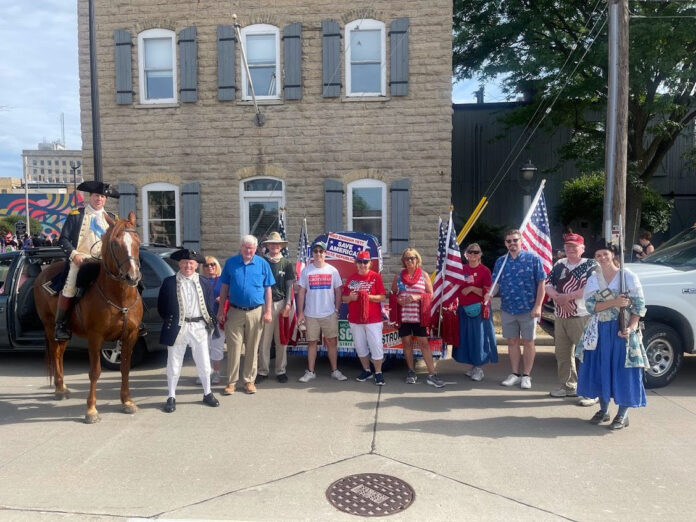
(536, 234)
(450, 270)
(281, 231)
(300, 265)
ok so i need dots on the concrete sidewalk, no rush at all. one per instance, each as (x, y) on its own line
(471, 450)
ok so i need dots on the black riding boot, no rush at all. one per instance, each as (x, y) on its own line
(62, 332)
(142, 330)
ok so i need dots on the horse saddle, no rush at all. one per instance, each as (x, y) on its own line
(86, 276)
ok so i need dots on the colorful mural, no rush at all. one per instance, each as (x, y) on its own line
(49, 209)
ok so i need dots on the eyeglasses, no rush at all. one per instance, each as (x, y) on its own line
(516, 240)
(209, 265)
(317, 251)
(473, 251)
(410, 258)
(362, 261)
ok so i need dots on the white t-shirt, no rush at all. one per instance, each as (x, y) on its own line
(320, 283)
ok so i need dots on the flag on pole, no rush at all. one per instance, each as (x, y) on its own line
(450, 270)
(300, 265)
(281, 231)
(536, 234)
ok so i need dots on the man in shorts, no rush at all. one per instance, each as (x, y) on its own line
(318, 301)
(521, 285)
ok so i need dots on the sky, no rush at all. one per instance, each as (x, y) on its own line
(39, 78)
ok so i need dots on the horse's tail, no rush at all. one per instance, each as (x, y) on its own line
(50, 361)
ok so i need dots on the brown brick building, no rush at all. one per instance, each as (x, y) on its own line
(356, 97)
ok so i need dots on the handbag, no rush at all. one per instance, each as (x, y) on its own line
(473, 310)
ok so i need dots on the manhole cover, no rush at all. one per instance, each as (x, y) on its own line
(370, 495)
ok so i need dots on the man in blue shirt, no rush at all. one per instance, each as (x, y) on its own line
(247, 280)
(521, 285)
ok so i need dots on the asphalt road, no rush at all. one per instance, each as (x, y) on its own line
(474, 451)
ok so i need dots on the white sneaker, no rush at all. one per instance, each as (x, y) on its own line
(308, 376)
(511, 380)
(587, 401)
(470, 371)
(560, 392)
(526, 382)
(476, 374)
(336, 374)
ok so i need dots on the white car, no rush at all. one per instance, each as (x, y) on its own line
(668, 277)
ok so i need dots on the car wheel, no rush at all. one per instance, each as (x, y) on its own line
(111, 355)
(665, 354)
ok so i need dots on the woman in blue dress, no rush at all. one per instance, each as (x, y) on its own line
(211, 270)
(477, 344)
(613, 360)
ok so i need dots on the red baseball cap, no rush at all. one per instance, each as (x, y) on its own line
(573, 239)
(365, 254)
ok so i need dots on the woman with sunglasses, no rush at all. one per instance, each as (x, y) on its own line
(613, 360)
(414, 291)
(476, 334)
(364, 292)
(211, 270)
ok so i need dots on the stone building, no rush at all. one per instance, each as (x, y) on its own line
(355, 98)
(51, 162)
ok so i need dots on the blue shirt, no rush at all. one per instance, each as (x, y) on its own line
(519, 281)
(247, 282)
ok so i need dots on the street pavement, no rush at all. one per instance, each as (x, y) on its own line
(471, 451)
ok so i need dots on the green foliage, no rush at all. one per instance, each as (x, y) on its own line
(656, 212)
(7, 223)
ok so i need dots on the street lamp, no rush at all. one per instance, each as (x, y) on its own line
(74, 166)
(527, 179)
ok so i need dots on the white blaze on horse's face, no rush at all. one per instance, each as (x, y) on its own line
(133, 270)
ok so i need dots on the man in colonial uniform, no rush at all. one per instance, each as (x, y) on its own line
(80, 239)
(185, 304)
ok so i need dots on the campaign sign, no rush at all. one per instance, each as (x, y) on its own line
(344, 247)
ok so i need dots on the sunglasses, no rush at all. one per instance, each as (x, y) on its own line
(410, 258)
(516, 240)
(317, 251)
(362, 261)
(473, 251)
(209, 265)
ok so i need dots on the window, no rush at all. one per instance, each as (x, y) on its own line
(261, 200)
(161, 214)
(157, 66)
(34, 171)
(50, 171)
(262, 46)
(42, 162)
(365, 58)
(367, 208)
(63, 163)
(33, 162)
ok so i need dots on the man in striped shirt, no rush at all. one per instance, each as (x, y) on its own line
(565, 285)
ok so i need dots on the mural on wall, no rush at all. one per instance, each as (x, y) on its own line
(49, 209)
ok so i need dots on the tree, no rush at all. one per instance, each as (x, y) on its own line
(529, 41)
(8, 223)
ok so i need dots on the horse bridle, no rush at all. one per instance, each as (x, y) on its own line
(121, 274)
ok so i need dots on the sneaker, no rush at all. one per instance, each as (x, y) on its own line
(526, 382)
(434, 380)
(215, 378)
(364, 375)
(379, 379)
(260, 378)
(560, 392)
(586, 401)
(411, 377)
(282, 378)
(308, 376)
(336, 374)
(571, 393)
(511, 380)
(249, 388)
(470, 371)
(476, 374)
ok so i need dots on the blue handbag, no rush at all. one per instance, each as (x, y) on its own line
(473, 310)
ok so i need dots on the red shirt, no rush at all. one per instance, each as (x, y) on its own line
(372, 283)
(479, 277)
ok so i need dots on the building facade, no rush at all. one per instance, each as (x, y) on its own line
(52, 163)
(352, 132)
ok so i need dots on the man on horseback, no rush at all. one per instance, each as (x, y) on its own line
(80, 239)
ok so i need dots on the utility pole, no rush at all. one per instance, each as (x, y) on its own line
(616, 150)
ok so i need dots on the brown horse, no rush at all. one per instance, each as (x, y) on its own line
(110, 310)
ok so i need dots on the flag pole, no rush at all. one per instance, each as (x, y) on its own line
(526, 219)
(444, 270)
(473, 218)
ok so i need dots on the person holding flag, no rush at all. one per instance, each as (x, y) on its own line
(282, 295)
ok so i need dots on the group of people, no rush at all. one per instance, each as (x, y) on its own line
(10, 241)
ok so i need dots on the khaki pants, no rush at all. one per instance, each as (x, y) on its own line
(271, 331)
(242, 329)
(567, 332)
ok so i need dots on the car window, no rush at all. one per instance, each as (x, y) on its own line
(678, 256)
(150, 278)
(681, 237)
(4, 268)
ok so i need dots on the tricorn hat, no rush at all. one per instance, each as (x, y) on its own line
(185, 253)
(274, 237)
(98, 187)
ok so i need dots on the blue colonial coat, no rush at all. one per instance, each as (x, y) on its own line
(168, 307)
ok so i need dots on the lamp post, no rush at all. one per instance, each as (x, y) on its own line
(74, 166)
(528, 175)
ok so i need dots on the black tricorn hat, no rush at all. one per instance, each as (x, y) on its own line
(98, 187)
(185, 253)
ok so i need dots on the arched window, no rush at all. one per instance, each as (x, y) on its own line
(161, 214)
(262, 46)
(367, 208)
(261, 200)
(157, 66)
(365, 58)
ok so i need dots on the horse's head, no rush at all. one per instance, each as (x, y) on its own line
(121, 250)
